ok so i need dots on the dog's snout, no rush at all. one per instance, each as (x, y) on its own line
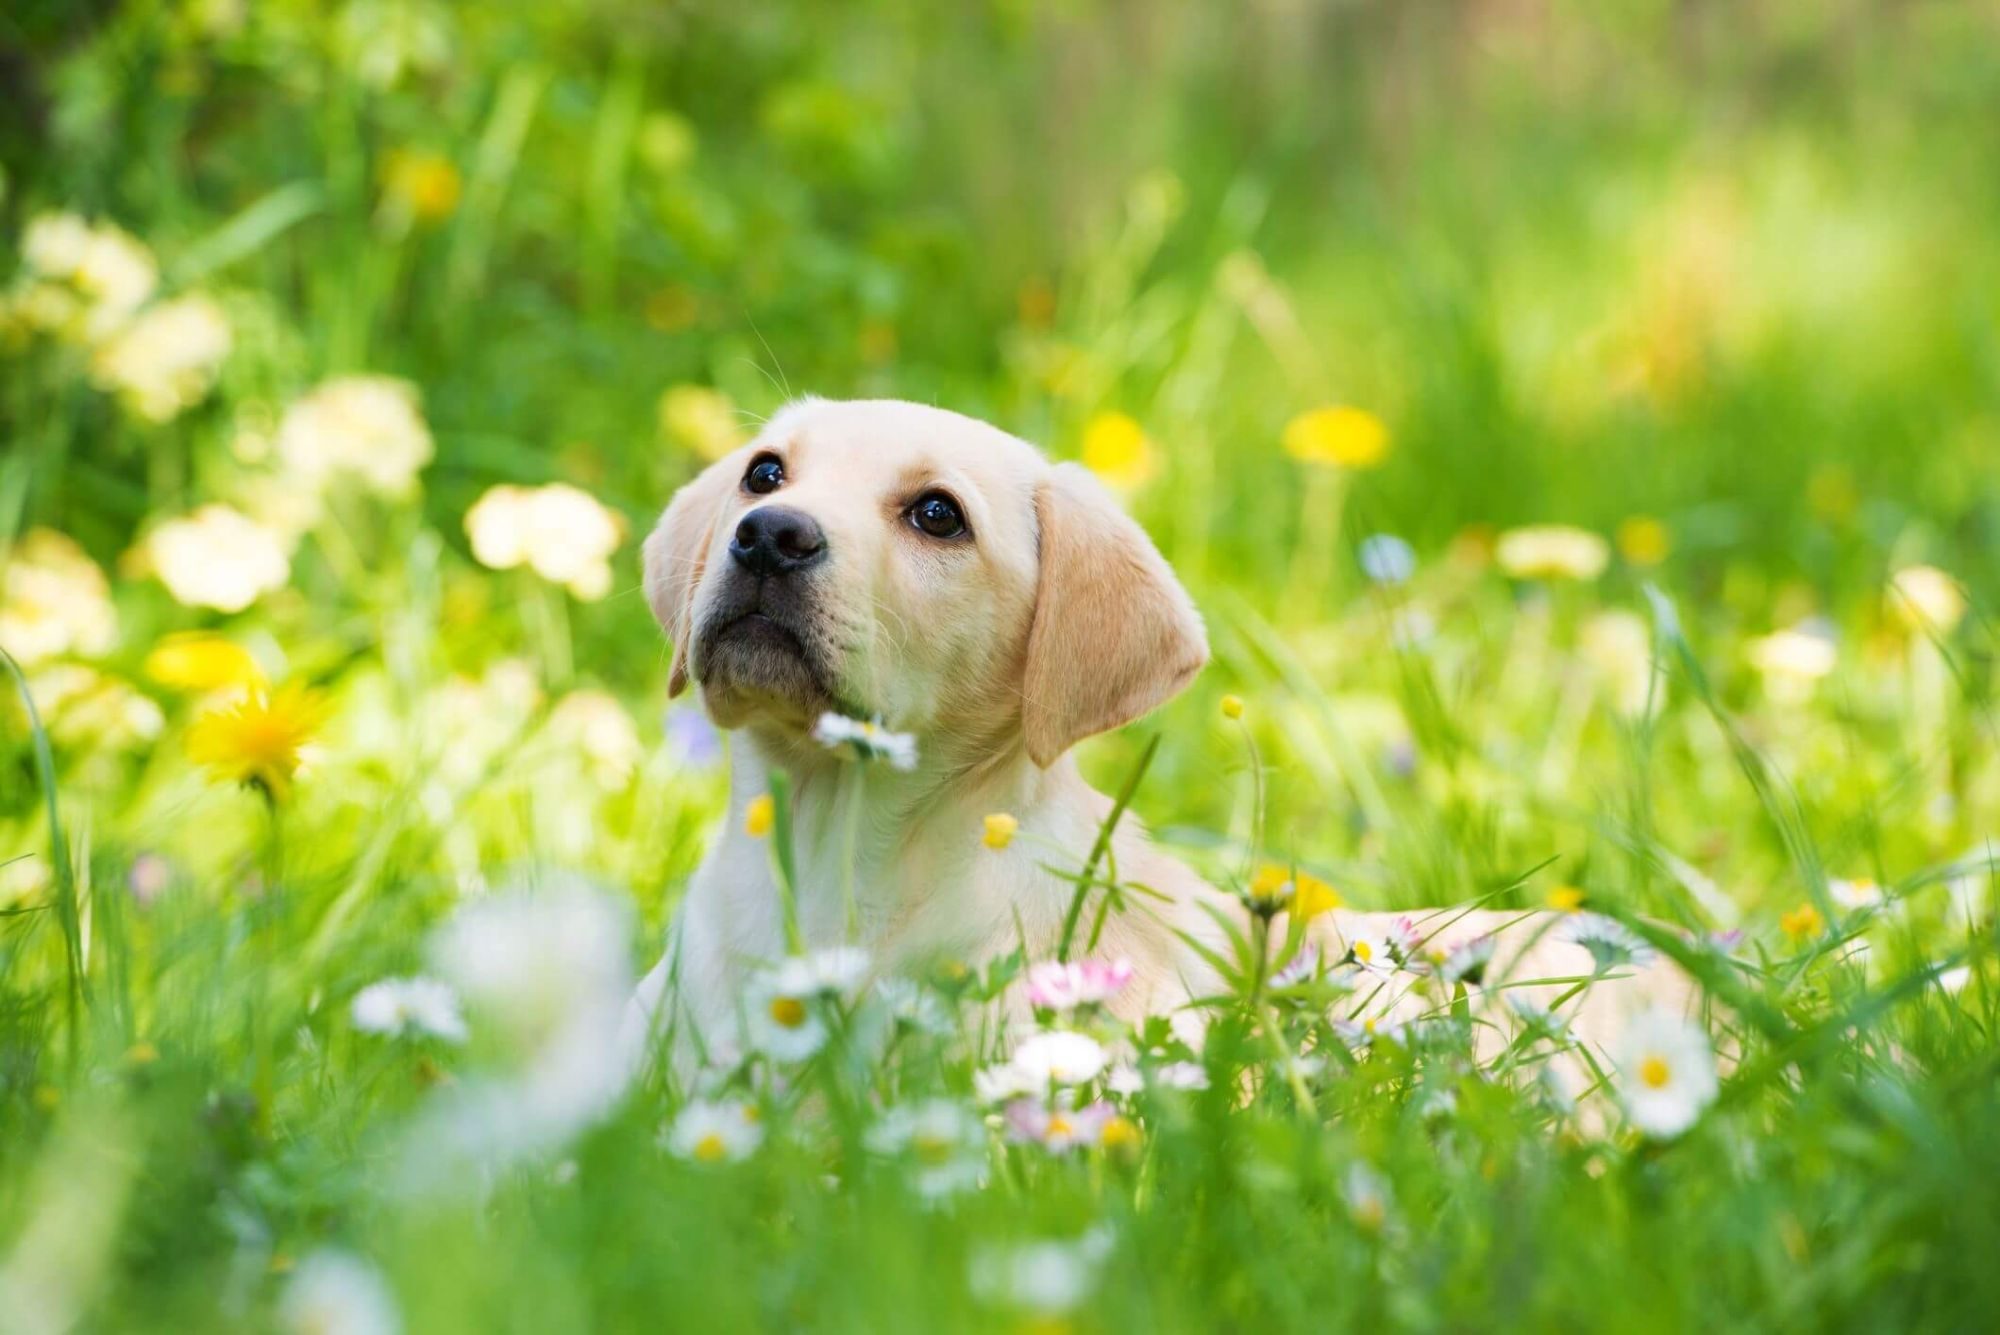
(776, 540)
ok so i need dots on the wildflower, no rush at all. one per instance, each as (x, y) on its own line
(1468, 961)
(86, 709)
(90, 278)
(1232, 706)
(700, 419)
(1367, 1195)
(562, 534)
(715, 1132)
(367, 427)
(1644, 540)
(1854, 895)
(864, 740)
(1385, 949)
(1564, 898)
(909, 1005)
(1301, 968)
(1802, 924)
(1120, 1135)
(1341, 437)
(166, 360)
(1537, 1019)
(691, 738)
(1792, 660)
(200, 661)
(595, 725)
(1924, 598)
(257, 740)
(1387, 559)
(786, 1002)
(759, 816)
(945, 1143)
(1618, 646)
(1000, 830)
(424, 185)
(1273, 889)
(1312, 897)
(1665, 1073)
(1056, 986)
(1059, 1057)
(998, 1084)
(217, 557)
(1611, 944)
(1179, 1075)
(1115, 447)
(398, 1006)
(54, 601)
(1048, 1279)
(334, 1292)
(1057, 1128)
(1365, 1031)
(1552, 551)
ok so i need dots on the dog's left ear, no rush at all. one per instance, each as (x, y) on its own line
(1114, 633)
(676, 552)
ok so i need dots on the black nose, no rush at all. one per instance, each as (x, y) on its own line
(776, 540)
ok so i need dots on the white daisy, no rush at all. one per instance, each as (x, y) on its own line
(1179, 1075)
(404, 1005)
(715, 1131)
(864, 740)
(783, 1006)
(1048, 1278)
(1665, 1073)
(1611, 944)
(998, 1084)
(1854, 895)
(334, 1292)
(1367, 1195)
(945, 1143)
(1060, 1057)
(910, 1005)
(1467, 961)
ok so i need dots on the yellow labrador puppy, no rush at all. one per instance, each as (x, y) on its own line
(887, 560)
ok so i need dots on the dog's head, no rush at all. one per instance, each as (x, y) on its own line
(891, 560)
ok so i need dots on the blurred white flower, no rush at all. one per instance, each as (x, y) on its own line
(383, 42)
(912, 1006)
(782, 1012)
(1611, 944)
(945, 1143)
(217, 557)
(1060, 1057)
(397, 1006)
(1179, 1075)
(1792, 661)
(54, 600)
(1387, 559)
(1367, 1195)
(1467, 962)
(1059, 1128)
(1048, 1278)
(1054, 985)
(712, 1131)
(593, 724)
(87, 709)
(166, 360)
(1666, 1073)
(561, 533)
(333, 1292)
(1552, 551)
(1854, 895)
(1618, 646)
(1924, 598)
(364, 426)
(83, 280)
(860, 739)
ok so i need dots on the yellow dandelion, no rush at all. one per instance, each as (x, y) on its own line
(1564, 899)
(1116, 448)
(1802, 924)
(1340, 437)
(1120, 1134)
(199, 661)
(423, 183)
(1232, 706)
(1000, 828)
(1552, 551)
(1644, 540)
(257, 740)
(1312, 897)
(760, 816)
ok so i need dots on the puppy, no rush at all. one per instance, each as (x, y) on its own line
(892, 561)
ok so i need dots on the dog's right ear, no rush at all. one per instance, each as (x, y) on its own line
(676, 553)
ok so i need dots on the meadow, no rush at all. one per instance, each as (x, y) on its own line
(1578, 423)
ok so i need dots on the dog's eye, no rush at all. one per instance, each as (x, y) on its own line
(938, 515)
(767, 473)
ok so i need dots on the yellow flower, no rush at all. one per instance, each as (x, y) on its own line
(1312, 897)
(700, 419)
(1802, 924)
(1274, 888)
(1644, 540)
(1000, 828)
(759, 816)
(424, 183)
(1924, 598)
(1115, 448)
(1564, 898)
(1552, 551)
(257, 740)
(1232, 706)
(198, 661)
(1342, 437)
(1120, 1134)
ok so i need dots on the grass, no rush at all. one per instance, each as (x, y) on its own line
(1728, 271)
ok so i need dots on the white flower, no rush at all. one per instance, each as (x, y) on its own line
(1537, 1018)
(1367, 1195)
(167, 359)
(1792, 661)
(1552, 551)
(562, 534)
(365, 426)
(1364, 1032)
(91, 277)
(1383, 950)
(1924, 598)
(1054, 985)
(709, 1131)
(998, 1084)
(1611, 944)
(1301, 968)
(1059, 1056)
(945, 1142)
(1059, 1128)
(1467, 961)
(401, 1005)
(1124, 1078)
(1179, 1075)
(783, 1007)
(335, 1292)
(1618, 646)
(1048, 1278)
(54, 600)
(217, 557)
(862, 740)
(837, 970)
(1665, 1073)
(1387, 559)
(912, 1006)
(1854, 895)
(595, 725)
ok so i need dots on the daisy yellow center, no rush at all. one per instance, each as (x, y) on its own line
(1364, 952)
(931, 1149)
(1654, 1073)
(710, 1147)
(788, 1011)
(1059, 1126)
